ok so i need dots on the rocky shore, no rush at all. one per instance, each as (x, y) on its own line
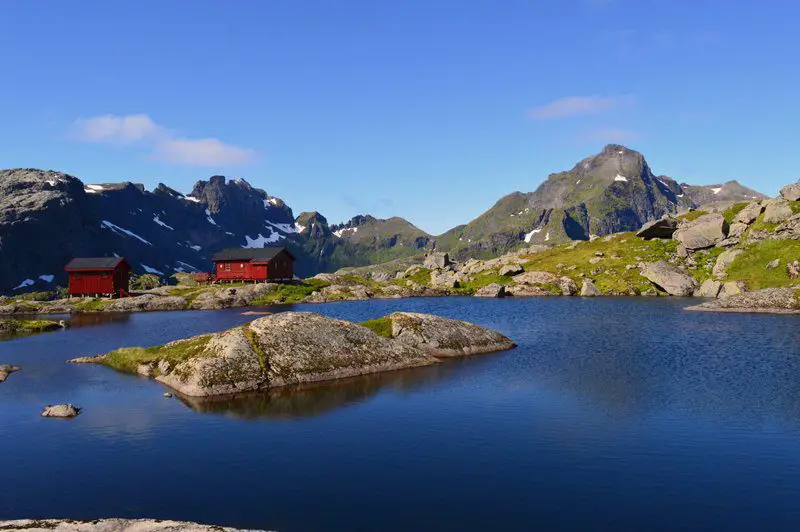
(301, 347)
(112, 525)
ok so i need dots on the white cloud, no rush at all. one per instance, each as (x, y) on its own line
(165, 144)
(576, 106)
(117, 129)
(201, 152)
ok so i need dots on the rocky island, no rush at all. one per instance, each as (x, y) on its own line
(112, 525)
(301, 347)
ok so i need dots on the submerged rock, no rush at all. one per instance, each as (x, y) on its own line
(112, 525)
(301, 347)
(670, 278)
(62, 411)
(6, 370)
(769, 300)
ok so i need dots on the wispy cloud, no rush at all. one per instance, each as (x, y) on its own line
(612, 135)
(577, 106)
(201, 152)
(165, 144)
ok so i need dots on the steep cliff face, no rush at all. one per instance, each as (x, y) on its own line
(610, 192)
(47, 218)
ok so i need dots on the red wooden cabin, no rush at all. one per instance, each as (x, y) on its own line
(257, 265)
(105, 276)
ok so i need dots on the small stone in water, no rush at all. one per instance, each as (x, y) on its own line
(167, 395)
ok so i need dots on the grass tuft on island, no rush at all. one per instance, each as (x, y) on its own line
(380, 326)
(15, 328)
(127, 359)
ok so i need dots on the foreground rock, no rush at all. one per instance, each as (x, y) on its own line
(111, 525)
(61, 411)
(492, 290)
(301, 347)
(769, 300)
(7, 370)
(670, 278)
(442, 337)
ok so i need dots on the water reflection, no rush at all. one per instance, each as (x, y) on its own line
(315, 399)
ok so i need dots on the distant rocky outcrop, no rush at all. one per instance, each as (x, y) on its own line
(112, 525)
(300, 347)
(769, 300)
(610, 192)
(62, 411)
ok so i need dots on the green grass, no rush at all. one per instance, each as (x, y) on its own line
(692, 216)
(733, 211)
(380, 326)
(14, 328)
(610, 275)
(292, 292)
(91, 305)
(480, 280)
(422, 277)
(127, 359)
(751, 266)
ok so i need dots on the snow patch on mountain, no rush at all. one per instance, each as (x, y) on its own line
(105, 224)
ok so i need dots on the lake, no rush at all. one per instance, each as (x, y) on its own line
(613, 413)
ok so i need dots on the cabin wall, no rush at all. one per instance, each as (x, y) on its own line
(91, 282)
(281, 267)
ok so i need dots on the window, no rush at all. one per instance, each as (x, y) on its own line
(227, 266)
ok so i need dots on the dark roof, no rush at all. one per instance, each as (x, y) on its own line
(94, 263)
(250, 254)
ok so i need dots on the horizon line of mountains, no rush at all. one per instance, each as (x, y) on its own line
(48, 217)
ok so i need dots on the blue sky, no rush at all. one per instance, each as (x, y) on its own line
(430, 110)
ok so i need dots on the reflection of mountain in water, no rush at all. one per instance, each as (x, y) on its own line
(315, 399)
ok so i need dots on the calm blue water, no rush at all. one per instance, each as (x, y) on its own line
(612, 414)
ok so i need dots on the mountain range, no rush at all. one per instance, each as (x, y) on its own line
(48, 217)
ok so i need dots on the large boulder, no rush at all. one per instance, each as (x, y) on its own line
(663, 228)
(791, 192)
(111, 525)
(536, 278)
(732, 288)
(770, 300)
(567, 286)
(492, 290)
(670, 278)
(301, 347)
(704, 232)
(525, 290)
(589, 289)
(749, 214)
(437, 259)
(146, 302)
(736, 231)
(443, 279)
(777, 211)
(725, 259)
(511, 269)
(442, 337)
(789, 230)
(6, 370)
(710, 289)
